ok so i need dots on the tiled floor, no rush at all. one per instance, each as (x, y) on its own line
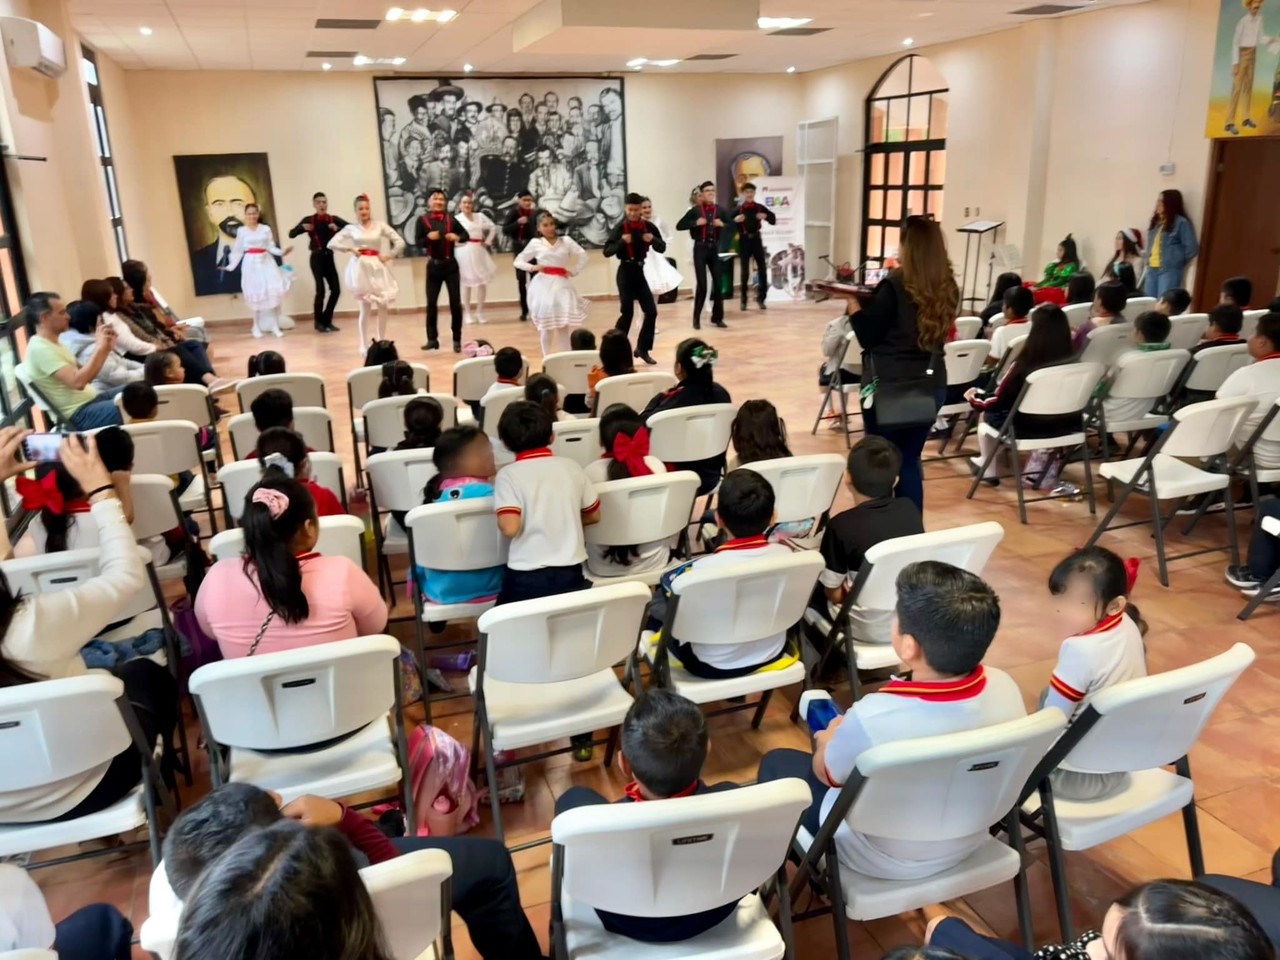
(775, 355)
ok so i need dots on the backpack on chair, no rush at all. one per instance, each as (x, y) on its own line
(444, 798)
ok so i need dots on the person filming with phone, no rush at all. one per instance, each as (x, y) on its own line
(55, 373)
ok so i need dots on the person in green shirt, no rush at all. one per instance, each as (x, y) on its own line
(55, 373)
(1058, 272)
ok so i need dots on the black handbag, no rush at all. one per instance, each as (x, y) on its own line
(902, 404)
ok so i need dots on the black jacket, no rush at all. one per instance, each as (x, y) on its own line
(520, 233)
(637, 249)
(708, 233)
(886, 328)
(318, 240)
(750, 225)
(441, 249)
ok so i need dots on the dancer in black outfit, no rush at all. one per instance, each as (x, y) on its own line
(438, 234)
(704, 221)
(749, 217)
(522, 226)
(321, 227)
(630, 241)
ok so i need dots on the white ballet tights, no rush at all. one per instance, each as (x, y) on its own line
(554, 341)
(267, 321)
(481, 294)
(367, 308)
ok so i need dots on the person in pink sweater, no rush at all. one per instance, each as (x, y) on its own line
(281, 595)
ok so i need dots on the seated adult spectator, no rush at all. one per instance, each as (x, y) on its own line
(696, 386)
(137, 277)
(81, 339)
(663, 747)
(281, 595)
(1174, 303)
(485, 892)
(41, 638)
(947, 618)
(55, 373)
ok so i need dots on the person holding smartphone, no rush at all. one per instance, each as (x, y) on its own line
(55, 373)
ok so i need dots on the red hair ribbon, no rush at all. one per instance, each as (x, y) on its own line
(1131, 566)
(362, 196)
(42, 494)
(631, 451)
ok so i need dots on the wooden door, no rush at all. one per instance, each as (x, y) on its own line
(1241, 235)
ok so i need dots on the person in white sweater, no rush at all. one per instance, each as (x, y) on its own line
(41, 637)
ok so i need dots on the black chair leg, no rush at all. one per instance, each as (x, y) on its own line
(760, 709)
(1021, 893)
(1191, 824)
(1057, 865)
(1264, 591)
(836, 892)
(1159, 523)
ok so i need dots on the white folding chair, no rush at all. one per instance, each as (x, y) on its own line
(732, 605)
(803, 487)
(306, 389)
(642, 510)
(570, 368)
(863, 625)
(397, 479)
(1064, 390)
(57, 419)
(965, 360)
(451, 535)
(837, 388)
(308, 721)
(689, 434)
(155, 513)
(1245, 459)
(238, 478)
(1105, 344)
(1199, 431)
(1137, 727)
(492, 407)
(314, 424)
(968, 328)
(957, 786)
(56, 730)
(362, 387)
(170, 447)
(672, 858)
(412, 899)
(1250, 323)
(579, 440)
(186, 401)
(1143, 379)
(1271, 527)
(384, 419)
(1077, 314)
(1209, 368)
(473, 377)
(545, 673)
(1187, 330)
(29, 954)
(339, 537)
(1138, 305)
(633, 389)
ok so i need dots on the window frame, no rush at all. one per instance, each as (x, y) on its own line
(106, 158)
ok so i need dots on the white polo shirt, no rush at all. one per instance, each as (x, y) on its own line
(1106, 655)
(551, 495)
(904, 710)
(24, 916)
(1260, 380)
(498, 386)
(1005, 334)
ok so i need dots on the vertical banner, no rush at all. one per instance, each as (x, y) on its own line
(1244, 89)
(784, 240)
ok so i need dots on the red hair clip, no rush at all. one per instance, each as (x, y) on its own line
(1131, 566)
(42, 494)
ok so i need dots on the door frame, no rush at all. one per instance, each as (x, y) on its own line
(1211, 201)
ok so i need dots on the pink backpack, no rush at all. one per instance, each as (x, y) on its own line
(444, 798)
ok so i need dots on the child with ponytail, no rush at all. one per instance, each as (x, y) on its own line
(397, 380)
(545, 392)
(1104, 647)
(281, 594)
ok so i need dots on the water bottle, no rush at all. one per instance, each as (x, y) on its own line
(818, 709)
(455, 662)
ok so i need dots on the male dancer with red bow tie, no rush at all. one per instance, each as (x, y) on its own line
(437, 234)
(704, 221)
(749, 217)
(630, 242)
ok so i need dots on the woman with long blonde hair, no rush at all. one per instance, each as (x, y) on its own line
(902, 330)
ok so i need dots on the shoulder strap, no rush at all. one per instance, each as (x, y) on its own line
(262, 630)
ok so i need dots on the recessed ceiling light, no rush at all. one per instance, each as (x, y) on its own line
(908, 41)
(921, 16)
(467, 68)
(782, 23)
(396, 61)
(326, 66)
(145, 31)
(395, 13)
(359, 60)
(664, 63)
(444, 16)
(419, 15)
(637, 62)
(791, 69)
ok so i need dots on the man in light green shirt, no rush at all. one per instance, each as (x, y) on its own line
(54, 371)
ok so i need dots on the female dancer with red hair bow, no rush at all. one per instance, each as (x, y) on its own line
(368, 278)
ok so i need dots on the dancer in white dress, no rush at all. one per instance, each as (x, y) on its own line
(662, 276)
(476, 268)
(262, 281)
(368, 277)
(554, 304)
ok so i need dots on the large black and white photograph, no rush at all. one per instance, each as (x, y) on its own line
(560, 138)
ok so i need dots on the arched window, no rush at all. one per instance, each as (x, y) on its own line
(906, 153)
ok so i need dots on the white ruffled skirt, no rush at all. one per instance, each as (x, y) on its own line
(262, 283)
(662, 276)
(371, 280)
(475, 265)
(554, 303)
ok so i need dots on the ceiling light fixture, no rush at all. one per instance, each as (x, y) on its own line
(639, 62)
(397, 61)
(421, 15)
(467, 68)
(326, 66)
(395, 13)
(791, 69)
(782, 23)
(145, 31)
(360, 60)
(908, 41)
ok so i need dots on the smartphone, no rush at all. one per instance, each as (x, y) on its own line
(818, 709)
(42, 447)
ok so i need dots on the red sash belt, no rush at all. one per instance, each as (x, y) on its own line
(555, 271)
(256, 250)
(369, 252)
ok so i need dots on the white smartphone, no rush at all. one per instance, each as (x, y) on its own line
(42, 447)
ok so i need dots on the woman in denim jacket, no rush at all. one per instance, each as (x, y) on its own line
(1171, 244)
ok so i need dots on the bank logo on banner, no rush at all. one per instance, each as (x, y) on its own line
(784, 240)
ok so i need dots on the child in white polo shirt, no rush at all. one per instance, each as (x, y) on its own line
(1260, 380)
(946, 619)
(543, 502)
(745, 511)
(1104, 647)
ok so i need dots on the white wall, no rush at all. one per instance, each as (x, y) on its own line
(320, 133)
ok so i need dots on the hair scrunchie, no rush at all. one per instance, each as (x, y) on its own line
(275, 501)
